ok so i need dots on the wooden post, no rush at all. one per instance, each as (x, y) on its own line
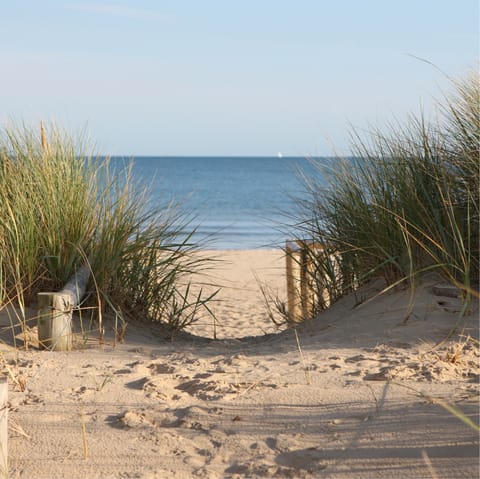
(3, 427)
(293, 280)
(54, 321)
(301, 294)
(55, 310)
(307, 272)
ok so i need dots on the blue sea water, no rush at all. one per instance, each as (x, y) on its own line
(237, 202)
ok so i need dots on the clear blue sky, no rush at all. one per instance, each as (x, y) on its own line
(228, 77)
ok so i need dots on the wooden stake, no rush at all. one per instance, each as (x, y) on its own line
(301, 294)
(54, 318)
(54, 321)
(293, 280)
(305, 284)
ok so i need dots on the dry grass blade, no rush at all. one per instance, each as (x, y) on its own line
(18, 379)
(277, 311)
(16, 428)
(306, 371)
(428, 462)
(448, 407)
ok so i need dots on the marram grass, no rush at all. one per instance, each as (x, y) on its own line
(62, 207)
(407, 201)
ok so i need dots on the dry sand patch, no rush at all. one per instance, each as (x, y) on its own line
(357, 404)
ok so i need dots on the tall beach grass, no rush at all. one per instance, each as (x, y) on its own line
(406, 202)
(62, 207)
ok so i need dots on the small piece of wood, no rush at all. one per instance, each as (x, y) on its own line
(3, 427)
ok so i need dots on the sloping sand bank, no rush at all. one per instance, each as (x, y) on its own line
(357, 399)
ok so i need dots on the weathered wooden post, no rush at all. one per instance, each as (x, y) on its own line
(54, 321)
(292, 251)
(55, 310)
(3, 427)
(307, 290)
(301, 295)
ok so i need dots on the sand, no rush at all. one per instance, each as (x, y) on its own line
(362, 398)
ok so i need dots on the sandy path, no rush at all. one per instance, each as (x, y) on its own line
(239, 307)
(355, 404)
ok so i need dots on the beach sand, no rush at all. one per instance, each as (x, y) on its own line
(239, 307)
(355, 393)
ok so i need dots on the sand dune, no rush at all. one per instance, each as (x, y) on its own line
(360, 399)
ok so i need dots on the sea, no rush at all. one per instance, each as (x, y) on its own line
(233, 202)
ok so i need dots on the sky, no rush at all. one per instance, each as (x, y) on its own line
(229, 77)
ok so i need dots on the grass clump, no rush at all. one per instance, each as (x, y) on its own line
(61, 207)
(405, 203)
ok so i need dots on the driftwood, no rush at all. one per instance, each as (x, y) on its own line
(55, 312)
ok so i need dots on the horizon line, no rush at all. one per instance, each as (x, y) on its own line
(223, 156)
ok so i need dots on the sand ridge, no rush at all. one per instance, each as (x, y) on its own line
(356, 401)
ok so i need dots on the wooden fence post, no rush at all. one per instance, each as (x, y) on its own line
(301, 294)
(3, 427)
(54, 321)
(293, 280)
(307, 290)
(55, 310)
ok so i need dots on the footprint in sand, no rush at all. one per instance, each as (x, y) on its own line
(191, 417)
(205, 390)
(215, 389)
(363, 364)
(357, 359)
(142, 418)
(277, 458)
(133, 419)
(24, 400)
(161, 368)
(81, 391)
(233, 363)
(139, 367)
